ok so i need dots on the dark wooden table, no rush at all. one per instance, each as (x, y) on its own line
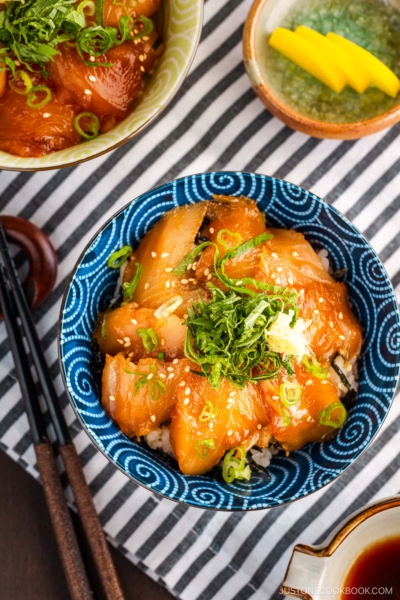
(30, 568)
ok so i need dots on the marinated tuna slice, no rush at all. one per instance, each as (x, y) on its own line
(240, 217)
(161, 250)
(296, 425)
(99, 90)
(289, 260)
(113, 11)
(139, 397)
(34, 132)
(126, 329)
(206, 422)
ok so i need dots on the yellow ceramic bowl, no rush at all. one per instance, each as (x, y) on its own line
(179, 23)
(274, 10)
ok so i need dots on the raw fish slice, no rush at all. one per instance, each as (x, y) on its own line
(114, 88)
(240, 416)
(116, 331)
(137, 412)
(27, 132)
(164, 247)
(304, 426)
(289, 260)
(112, 11)
(239, 215)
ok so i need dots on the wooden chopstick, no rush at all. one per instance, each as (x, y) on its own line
(87, 512)
(55, 498)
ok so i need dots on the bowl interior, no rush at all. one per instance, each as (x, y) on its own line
(179, 23)
(304, 471)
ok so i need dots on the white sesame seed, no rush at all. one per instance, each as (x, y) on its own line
(92, 78)
(170, 369)
(275, 397)
(209, 277)
(162, 375)
(331, 324)
(112, 398)
(168, 269)
(309, 382)
(294, 253)
(211, 230)
(154, 254)
(187, 369)
(187, 391)
(278, 281)
(279, 269)
(320, 299)
(274, 255)
(189, 267)
(290, 280)
(185, 317)
(229, 406)
(127, 344)
(309, 418)
(171, 375)
(120, 341)
(206, 272)
(133, 321)
(182, 383)
(232, 393)
(259, 426)
(194, 266)
(349, 368)
(162, 342)
(340, 315)
(150, 376)
(141, 57)
(142, 69)
(324, 382)
(301, 292)
(186, 401)
(46, 115)
(146, 285)
(341, 337)
(175, 361)
(87, 92)
(211, 425)
(316, 311)
(126, 339)
(192, 280)
(184, 281)
(131, 354)
(173, 284)
(230, 432)
(167, 284)
(165, 255)
(153, 418)
(91, 58)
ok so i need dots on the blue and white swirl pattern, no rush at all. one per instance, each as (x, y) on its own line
(371, 294)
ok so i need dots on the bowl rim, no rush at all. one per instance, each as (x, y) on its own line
(321, 129)
(130, 136)
(137, 200)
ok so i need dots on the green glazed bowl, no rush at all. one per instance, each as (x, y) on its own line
(179, 24)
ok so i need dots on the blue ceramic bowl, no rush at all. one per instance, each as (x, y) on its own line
(92, 286)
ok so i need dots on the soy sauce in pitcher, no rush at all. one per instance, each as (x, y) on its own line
(375, 573)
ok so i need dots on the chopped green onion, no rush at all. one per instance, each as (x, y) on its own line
(87, 7)
(149, 338)
(189, 259)
(104, 327)
(290, 393)
(156, 387)
(314, 367)
(32, 98)
(205, 444)
(91, 130)
(229, 234)
(99, 11)
(324, 416)
(287, 419)
(246, 246)
(208, 412)
(118, 258)
(129, 288)
(161, 356)
(21, 76)
(234, 466)
(168, 308)
(146, 29)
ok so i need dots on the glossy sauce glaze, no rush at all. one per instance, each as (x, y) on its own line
(376, 568)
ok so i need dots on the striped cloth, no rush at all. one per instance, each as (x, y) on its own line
(216, 122)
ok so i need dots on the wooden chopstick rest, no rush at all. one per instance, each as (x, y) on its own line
(41, 255)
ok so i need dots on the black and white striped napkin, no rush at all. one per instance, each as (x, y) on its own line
(215, 123)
